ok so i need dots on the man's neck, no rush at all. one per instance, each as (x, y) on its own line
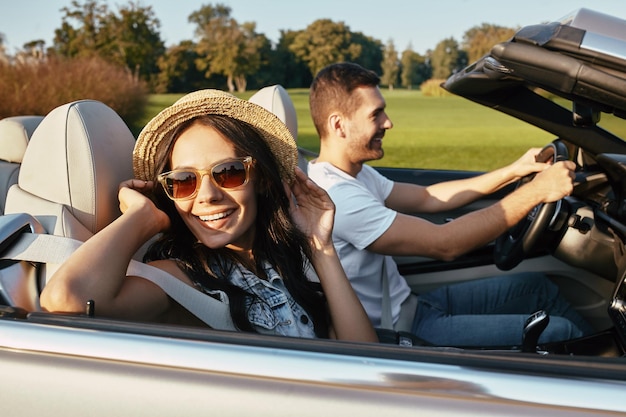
(337, 159)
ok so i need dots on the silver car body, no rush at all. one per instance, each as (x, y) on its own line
(78, 365)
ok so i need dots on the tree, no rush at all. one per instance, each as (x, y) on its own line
(4, 59)
(371, 56)
(447, 59)
(390, 65)
(324, 42)
(287, 69)
(35, 48)
(130, 39)
(479, 40)
(32, 52)
(226, 47)
(269, 68)
(177, 69)
(414, 69)
(82, 40)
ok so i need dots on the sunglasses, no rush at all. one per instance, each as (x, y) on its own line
(183, 184)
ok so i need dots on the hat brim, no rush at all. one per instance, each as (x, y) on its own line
(155, 138)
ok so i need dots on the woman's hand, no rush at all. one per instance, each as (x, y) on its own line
(311, 209)
(97, 269)
(132, 196)
(313, 212)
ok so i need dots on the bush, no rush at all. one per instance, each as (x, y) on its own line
(432, 88)
(37, 87)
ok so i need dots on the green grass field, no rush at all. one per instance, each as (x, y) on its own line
(432, 132)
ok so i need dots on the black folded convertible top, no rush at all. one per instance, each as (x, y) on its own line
(581, 58)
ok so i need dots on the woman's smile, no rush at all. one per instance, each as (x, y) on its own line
(218, 217)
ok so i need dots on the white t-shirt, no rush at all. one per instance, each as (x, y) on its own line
(361, 217)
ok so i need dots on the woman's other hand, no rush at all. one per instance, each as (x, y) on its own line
(311, 209)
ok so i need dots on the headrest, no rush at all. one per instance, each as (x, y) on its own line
(77, 157)
(276, 99)
(14, 135)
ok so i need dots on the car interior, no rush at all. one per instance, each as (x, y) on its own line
(580, 61)
(67, 184)
(15, 132)
(78, 154)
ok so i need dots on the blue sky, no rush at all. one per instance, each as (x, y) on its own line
(418, 23)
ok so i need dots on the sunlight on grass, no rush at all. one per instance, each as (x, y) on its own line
(443, 133)
(432, 132)
(453, 133)
(156, 103)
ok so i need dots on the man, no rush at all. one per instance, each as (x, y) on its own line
(348, 111)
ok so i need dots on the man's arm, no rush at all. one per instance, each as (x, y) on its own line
(410, 235)
(411, 198)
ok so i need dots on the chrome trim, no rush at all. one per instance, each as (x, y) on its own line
(555, 215)
(604, 44)
(417, 378)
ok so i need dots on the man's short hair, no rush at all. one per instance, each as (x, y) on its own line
(332, 89)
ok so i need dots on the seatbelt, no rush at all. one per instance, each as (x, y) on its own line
(386, 321)
(42, 248)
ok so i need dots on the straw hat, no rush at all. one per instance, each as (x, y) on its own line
(155, 138)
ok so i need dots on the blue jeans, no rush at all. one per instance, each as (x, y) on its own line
(492, 312)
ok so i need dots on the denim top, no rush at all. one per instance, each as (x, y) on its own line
(274, 311)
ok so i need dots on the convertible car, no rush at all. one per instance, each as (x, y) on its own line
(561, 77)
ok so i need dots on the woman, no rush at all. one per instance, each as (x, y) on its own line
(237, 220)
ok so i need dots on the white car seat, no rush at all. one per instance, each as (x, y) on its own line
(68, 181)
(71, 170)
(15, 133)
(277, 100)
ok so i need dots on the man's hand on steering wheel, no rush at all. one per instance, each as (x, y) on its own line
(553, 183)
(527, 164)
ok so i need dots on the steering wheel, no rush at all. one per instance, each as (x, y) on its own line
(512, 246)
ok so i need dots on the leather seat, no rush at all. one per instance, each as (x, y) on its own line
(68, 181)
(276, 99)
(71, 170)
(15, 132)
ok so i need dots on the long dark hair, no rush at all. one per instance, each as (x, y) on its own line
(277, 240)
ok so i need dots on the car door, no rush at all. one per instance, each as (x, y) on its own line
(587, 291)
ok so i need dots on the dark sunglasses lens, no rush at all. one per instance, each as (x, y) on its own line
(181, 184)
(229, 174)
